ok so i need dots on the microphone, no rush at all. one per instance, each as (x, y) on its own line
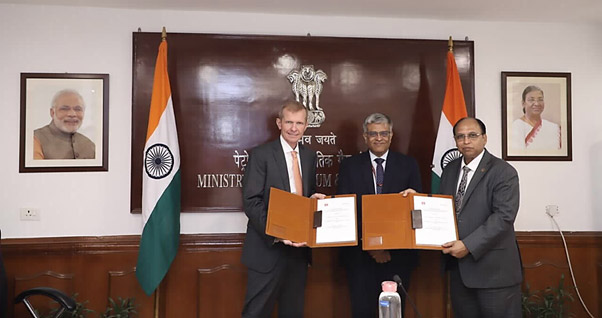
(398, 281)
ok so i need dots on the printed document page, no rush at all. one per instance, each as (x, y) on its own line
(338, 220)
(438, 222)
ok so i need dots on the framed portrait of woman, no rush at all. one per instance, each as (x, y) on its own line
(536, 116)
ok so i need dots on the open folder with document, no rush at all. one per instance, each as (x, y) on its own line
(320, 223)
(418, 221)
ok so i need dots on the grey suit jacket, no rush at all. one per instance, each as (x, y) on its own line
(486, 222)
(267, 168)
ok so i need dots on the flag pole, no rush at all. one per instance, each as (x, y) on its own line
(454, 108)
(157, 301)
(158, 290)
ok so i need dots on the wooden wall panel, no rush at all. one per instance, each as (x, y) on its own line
(599, 272)
(219, 291)
(428, 287)
(208, 280)
(197, 274)
(123, 284)
(60, 281)
(544, 261)
(326, 292)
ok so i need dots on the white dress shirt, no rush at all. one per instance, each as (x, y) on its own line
(473, 166)
(372, 157)
(289, 162)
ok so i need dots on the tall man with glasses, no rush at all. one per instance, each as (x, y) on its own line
(484, 264)
(376, 171)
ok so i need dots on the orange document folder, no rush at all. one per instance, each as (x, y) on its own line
(297, 218)
(392, 221)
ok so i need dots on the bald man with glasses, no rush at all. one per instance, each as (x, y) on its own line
(484, 264)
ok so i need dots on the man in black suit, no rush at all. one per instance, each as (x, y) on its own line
(277, 268)
(374, 172)
(485, 267)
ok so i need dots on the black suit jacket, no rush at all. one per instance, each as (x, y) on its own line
(486, 222)
(356, 176)
(267, 168)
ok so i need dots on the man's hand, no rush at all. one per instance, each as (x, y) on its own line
(407, 191)
(318, 196)
(293, 244)
(456, 249)
(380, 256)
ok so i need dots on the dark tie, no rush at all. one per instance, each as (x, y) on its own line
(380, 175)
(462, 188)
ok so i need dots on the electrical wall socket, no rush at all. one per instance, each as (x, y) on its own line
(552, 210)
(29, 214)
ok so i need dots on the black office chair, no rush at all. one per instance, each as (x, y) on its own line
(65, 302)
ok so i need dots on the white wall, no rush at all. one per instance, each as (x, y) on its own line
(93, 40)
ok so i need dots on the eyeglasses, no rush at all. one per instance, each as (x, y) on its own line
(470, 136)
(374, 134)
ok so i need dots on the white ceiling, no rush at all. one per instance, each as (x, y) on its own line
(573, 11)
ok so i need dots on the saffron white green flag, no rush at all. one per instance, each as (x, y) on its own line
(454, 108)
(160, 185)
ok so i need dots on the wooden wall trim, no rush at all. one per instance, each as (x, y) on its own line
(112, 244)
(208, 267)
(196, 242)
(46, 273)
(583, 239)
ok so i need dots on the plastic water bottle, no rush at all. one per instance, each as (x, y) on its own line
(389, 303)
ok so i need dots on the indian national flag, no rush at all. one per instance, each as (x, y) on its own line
(454, 108)
(160, 184)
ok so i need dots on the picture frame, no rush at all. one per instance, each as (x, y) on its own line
(64, 122)
(539, 127)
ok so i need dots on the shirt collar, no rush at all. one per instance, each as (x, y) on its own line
(286, 147)
(474, 164)
(373, 156)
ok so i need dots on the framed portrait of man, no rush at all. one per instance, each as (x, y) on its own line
(536, 116)
(64, 122)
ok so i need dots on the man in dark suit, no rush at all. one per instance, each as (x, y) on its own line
(277, 268)
(485, 267)
(374, 172)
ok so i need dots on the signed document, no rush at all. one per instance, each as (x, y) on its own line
(338, 220)
(328, 222)
(438, 220)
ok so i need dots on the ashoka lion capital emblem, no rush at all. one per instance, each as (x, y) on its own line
(307, 87)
